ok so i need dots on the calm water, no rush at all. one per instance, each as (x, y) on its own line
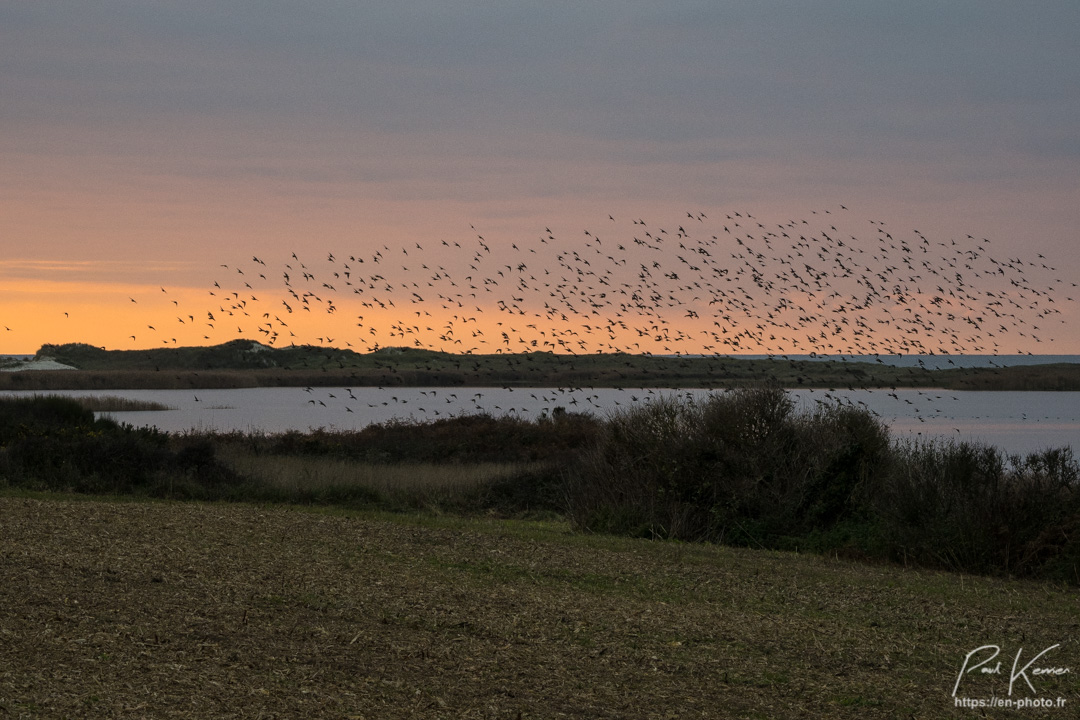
(1016, 421)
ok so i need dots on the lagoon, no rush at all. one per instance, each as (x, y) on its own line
(1018, 422)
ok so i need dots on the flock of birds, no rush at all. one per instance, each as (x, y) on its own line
(827, 284)
(540, 401)
(696, 287)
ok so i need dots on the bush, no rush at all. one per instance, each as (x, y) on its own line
(742, 467)
(19, 414)
(746, 467)
(53, 443)
(965, 506)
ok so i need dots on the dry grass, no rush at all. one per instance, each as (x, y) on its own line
(163, 610)
(315, 473)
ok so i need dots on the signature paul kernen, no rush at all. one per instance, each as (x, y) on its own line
(1026, 672)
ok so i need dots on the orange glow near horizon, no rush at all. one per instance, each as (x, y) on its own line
(735, 285)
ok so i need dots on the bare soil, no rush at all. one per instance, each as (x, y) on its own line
(183, 610)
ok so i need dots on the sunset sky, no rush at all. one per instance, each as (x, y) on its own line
(144, 145)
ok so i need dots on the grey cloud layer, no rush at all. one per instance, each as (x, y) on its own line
(706, 79)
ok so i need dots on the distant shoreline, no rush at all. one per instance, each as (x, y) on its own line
(241, 364)
(35, 364)
(32, 361)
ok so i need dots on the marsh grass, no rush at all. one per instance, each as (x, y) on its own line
(113, 403)
(419, 485)
(105, 403)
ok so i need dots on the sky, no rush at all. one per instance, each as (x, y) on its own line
(145, 145)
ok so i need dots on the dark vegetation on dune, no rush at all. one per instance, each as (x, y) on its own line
(747, 468)
(743, 467)
(245, 363)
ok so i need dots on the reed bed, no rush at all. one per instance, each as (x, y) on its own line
(113, 403)
(110, 403)
(421, 483)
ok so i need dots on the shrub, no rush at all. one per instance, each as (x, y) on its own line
(741, 466)
(966, 506)
(19, 414)
(747, 467)
(53, 443)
